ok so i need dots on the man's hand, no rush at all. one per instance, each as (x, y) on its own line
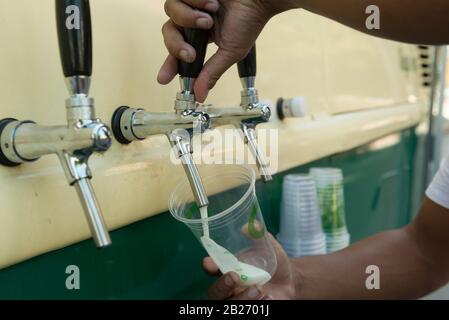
(234, 24)
(281, 286)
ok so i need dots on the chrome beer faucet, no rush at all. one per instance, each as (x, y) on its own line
(84, 134)
(250, 114)
(132, 124)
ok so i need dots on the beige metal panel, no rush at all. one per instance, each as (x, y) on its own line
(328, 135)
(335, 68)
(41, 213)
(292, 59)
(365, 72)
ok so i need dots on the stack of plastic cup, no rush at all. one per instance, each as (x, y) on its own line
(301, 233)
(329, 184)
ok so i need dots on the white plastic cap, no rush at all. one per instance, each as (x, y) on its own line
(298, 107)
(292, 108)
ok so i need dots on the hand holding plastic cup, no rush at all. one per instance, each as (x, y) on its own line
(238, 240)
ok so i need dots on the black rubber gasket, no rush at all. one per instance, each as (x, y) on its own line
(279, 109)
(3, 159)
(116, 127)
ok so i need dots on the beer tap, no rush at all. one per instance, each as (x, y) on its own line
(132, 124)
(83, 135)
(250, 114)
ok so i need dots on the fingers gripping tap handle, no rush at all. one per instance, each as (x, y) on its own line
(198, 39)
(248, 66)
(74, 28)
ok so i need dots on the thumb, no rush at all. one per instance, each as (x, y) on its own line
(214, 68)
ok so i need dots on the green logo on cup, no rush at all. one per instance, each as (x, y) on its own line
(254, 225)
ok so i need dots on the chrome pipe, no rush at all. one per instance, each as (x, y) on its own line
(231, 116)
(24, 141)
(182, 146)
(137, 124)
(93, 213)
(261, 161)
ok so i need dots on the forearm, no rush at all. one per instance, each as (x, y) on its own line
(406, 270)
(424, 21)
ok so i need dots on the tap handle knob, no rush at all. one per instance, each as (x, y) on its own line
(74, 28)
(248, 66)
(198, 39)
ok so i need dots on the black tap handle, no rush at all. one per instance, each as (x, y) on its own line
(248, 66)
(75, 36)
(199, 39)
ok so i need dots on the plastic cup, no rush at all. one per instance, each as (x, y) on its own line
(338, 232)
(300, 228)
(235, 221)
(337, 241)
(326, 172)
(330, 193)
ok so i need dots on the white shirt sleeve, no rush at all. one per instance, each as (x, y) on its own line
(438, 190)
